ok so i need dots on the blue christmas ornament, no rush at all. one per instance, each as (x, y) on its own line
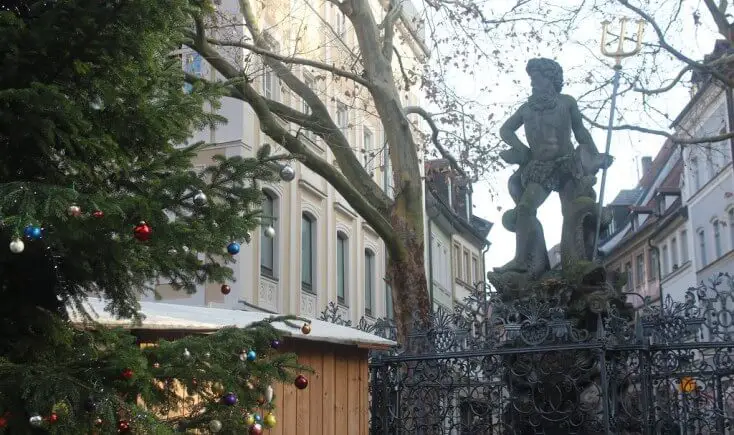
(233, 248)
(251, 355)
(258, 418)
(32, 232)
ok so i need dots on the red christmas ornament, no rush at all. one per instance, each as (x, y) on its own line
(123, 426)
(143, 232)
(226, 289)
(53, 418)
(98, 214)
(3, 422)
(127, 374)
(301, 382)
(256, 429)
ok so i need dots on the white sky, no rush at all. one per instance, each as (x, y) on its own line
(627, 147)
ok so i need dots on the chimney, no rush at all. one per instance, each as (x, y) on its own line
(646, 164)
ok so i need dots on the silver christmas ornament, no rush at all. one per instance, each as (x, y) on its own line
(35, 420)
(172, 251)
(215, 426)
(287, 173)
(270, 231)
(74, 210)
(200, 198)
(17, 246)
(269, 394)
(186, 353)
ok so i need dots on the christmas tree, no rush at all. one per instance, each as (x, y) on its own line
(98, 197)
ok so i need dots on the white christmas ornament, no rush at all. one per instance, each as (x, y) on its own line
(17, 246)
(215, 425)
(269, 394)
(270, 231)
(35, 420)
(186, 353)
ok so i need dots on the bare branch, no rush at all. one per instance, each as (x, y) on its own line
(434, 136)
(669, 48)
(374, 214)
(667, 87)
(402, 69)
(292, 60)
(673, 138)
(388, 27)
(719, 16)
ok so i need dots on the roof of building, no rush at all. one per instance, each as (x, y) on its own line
(648, 178)
(627, 196)
(164, 316)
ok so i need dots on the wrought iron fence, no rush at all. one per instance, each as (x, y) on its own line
(526, 367)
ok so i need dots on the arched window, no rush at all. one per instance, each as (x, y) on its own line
(308, 252)
(369, 281)
(268, 245)
(342, 267)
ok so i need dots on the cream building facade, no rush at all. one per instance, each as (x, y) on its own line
(322, 250)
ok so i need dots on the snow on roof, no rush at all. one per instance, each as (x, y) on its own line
(159, 315)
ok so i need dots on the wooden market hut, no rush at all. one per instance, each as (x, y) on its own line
(336, 401)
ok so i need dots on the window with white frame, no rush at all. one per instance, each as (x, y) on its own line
(640, 268)
(268, 244)
(369, 281)
(475, 270)
(467, 266)
(717, 238)
(684, 256)
(308, 252)
(664, 260)
(653, 267)
(342, 117)
(674, 253)
(368, 148)
(628, 273)
(342, 267)
(457, 261)
(341, 25)
(702, 247)
(695, 174)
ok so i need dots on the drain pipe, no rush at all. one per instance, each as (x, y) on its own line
(484, 276)
(430, 260)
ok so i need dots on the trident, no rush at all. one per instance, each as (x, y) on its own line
(618, 55)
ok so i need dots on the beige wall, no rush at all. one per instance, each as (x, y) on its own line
(301, 32)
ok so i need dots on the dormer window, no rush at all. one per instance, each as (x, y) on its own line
(660, 202)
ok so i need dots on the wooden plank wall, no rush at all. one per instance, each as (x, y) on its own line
(336, 400)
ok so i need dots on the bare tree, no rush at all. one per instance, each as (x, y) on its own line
(376, 55)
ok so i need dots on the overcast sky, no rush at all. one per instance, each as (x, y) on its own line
(627, 147)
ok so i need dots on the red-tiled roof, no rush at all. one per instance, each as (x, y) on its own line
(657, 164)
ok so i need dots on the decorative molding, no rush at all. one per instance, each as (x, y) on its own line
(343, 311)
(366, 227)
(268, 294)
(345, 210)
(308, 304)
(311, 188)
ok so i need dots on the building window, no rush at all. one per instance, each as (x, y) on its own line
(457, 261)
(342, 262)
(475, 270)
(308, 252)
(267, 244)
(717, 238)
(271, 88)
(369, 281)
(342, 117)
(653, 270)
(684, 246)
(695, 174)
(628, 273)
(368, 147)
(467, 266)
(664, 259)
(341, 24)
(702, 247)
(640, 269)
(192, 65)
(674, 253)
(731, 228)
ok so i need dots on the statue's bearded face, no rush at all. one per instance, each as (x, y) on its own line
(540, 83)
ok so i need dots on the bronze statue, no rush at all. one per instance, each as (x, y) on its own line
(549, 162)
